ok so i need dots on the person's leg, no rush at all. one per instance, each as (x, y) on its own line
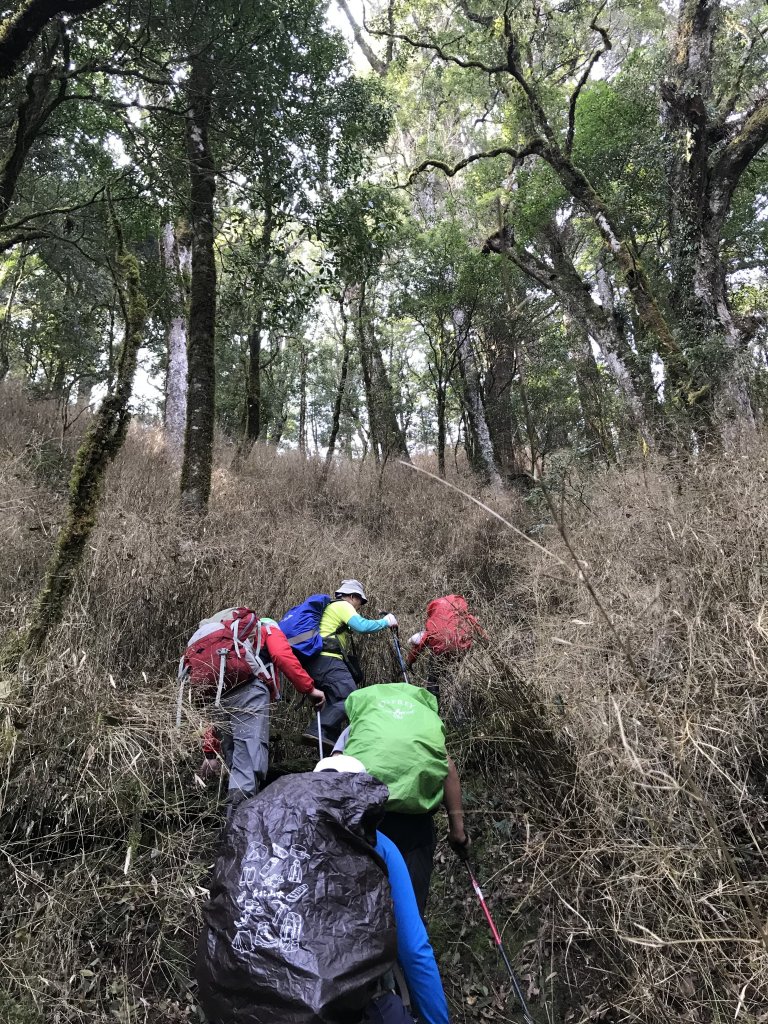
(248, 742)
(420, 861)
(434, 678)
(415, 837)
(387, 1009)
(333, 677)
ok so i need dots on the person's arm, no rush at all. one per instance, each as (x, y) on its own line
(341, 742)
(414, 952)
(457, 836)
(360, 625)
(415, 647)
(211, 764)
(211, 742)
(281, 653)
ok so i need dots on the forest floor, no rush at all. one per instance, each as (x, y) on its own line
(614, 762)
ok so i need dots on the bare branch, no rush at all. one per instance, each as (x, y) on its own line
(95, 198)
(449, 58)
(531, 148)
(378, 65)
(607, 45)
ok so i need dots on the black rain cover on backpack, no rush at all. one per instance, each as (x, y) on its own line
(300, 927)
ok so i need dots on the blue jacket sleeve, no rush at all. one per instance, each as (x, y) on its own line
(413, 949)
(360, 625)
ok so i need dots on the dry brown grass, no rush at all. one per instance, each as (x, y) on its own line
(614, 894)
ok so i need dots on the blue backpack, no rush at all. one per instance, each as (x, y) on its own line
(301, 625)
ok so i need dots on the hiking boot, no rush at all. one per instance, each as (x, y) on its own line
(309, 739)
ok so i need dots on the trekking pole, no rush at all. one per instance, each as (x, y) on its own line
(399, 654)
(320, 736)
(499, 945)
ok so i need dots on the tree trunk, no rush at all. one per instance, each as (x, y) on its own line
(441, 399)
(5, 325)
(43, 94)
(253, 398)
(615, 351)
(302, 397)
(473, 403)
(201, 400)
(18, 31)
(390, 431)
(177, 262)
(590, 391)
(275, 433)
(386, 435)
(100, 446)
(703, 174)
(559, 275)
(501, 342)
(357, 297)
(336, 418)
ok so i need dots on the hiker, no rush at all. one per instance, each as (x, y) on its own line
(320, 630)
(395, 730)
(237, 654)
(414, 952)
(448, 634)
(312, 911)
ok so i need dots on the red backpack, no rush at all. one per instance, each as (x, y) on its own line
(224, 652)
(450, 628)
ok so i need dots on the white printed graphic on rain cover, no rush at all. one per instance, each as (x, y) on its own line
(270, 917)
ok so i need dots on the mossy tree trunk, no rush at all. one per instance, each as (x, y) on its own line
(201, 391)
(482, 447)
(387, 436)
(26, 23)
(100, 446)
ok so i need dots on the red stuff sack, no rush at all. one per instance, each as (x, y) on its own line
(450, 629)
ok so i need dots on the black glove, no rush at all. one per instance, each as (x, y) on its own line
(460, 847)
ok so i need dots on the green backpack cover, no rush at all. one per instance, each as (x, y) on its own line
(395, 730)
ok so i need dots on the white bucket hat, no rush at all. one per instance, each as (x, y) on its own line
(347, 587)
(339, 763)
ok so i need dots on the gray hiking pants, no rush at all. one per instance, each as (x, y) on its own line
(245, 738)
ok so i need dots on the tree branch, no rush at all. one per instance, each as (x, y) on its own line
(378, 65)
(751, 137)
(22, 236)
(607, 45)
(486, 20)
(726, 106)
(95, 198)
(33, 111)
(18, 31)
(449, 58)
(535, 146)
(110, 104)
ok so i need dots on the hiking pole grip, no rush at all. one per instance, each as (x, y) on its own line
(500, 946)
(319, 736)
